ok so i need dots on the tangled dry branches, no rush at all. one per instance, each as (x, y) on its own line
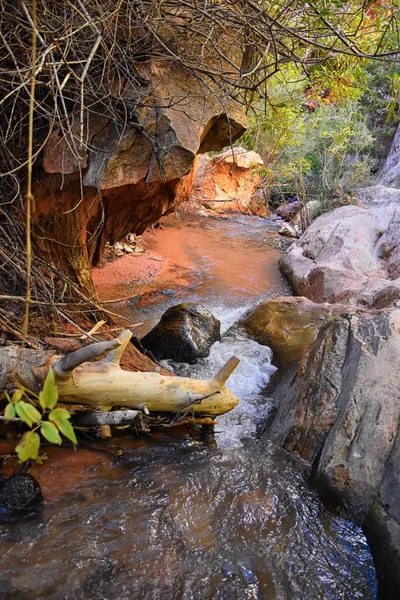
(90, 51)
(90, 61)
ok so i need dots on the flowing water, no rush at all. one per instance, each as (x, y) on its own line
(170, 518)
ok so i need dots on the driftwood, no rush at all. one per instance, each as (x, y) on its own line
(102, 385)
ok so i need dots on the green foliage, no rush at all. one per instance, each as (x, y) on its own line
(60, 417)
(321, 154)
(50, 422)
(29, 446)
(50, 432)
(49, 395)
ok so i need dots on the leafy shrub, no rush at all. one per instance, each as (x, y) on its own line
(42, 416)
(321, 155)
(316, 131)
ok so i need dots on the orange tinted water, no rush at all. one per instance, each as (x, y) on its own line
(213, 261)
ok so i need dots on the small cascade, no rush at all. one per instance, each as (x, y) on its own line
(247, 382)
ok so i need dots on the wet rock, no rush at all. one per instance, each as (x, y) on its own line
(228, 182)
(339, 408)
(185, 333)
(348, 255)
(288, 325)
(20, 492)
(101, 580)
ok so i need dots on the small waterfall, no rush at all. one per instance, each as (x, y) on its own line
(247, 382)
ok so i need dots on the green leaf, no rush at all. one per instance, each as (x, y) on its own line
(29, 446)
(49, 395)
(17, 395)
(9, 413)
(59, 414)
(31, 411)
(21, 412)
(60, 417)
(28, 413)
(66, 429)
(50, 432)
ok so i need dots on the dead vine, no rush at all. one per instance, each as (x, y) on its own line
(91, 59)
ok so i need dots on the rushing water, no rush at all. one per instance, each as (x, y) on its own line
(170, 518)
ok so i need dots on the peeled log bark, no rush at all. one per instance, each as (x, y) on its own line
(104, 384)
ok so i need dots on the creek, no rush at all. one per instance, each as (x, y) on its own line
(169, 517)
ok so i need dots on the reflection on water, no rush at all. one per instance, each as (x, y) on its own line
(217, 262)
(177, 520)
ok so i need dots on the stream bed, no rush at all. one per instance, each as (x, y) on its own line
(168, 517)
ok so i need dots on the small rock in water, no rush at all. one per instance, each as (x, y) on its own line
(289, 231)
(185, 333)
(20, 492)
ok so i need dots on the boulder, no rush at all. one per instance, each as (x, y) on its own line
(338, 407)
(288, 325)
(348, 255)
(289, 231)
(228, 183)
(388, 247)
(19, 493)
(289, 211)
(185, 333)
(308, 213)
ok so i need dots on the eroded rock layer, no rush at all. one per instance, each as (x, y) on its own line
(228, 182)
(124, 175)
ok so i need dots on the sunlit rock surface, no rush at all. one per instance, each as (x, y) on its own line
(228, 182)
(348, 255)
(288, 325)
(128, 172)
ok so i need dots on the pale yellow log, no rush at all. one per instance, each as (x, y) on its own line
(105, 385)
(100, 385)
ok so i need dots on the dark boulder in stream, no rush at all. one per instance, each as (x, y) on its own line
(185, 333)
(338, 407)
(19, 493)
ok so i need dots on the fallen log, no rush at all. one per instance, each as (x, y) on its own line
(103, 384)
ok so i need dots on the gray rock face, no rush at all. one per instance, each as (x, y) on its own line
(390, 174)
(340, 410)
(349, 255)
(185, 333)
